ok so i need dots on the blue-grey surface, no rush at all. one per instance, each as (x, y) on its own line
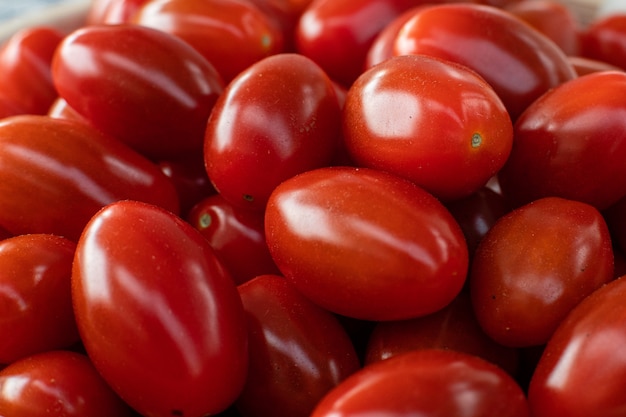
(11, 8)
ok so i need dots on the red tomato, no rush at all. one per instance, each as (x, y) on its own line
(55, 174)
(431, 121)
(158, 314)
(35, 299)
(278, 118)
(9, 107)
(366, 244)
(112, 11)
(582, 370)
(145, 87)
(286, 14)
(61, 110)
(298, 351)
(519, 62)
(573, 149)
(57, 383)
(584, 66)
(230, 34)
(431, 382)
(605, 40)
(534, 265)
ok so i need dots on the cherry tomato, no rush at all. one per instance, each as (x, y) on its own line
(431, 121)
(298, 351)
(147, 88)
(57, 383)
(518, 61)
(605, 40)
(55, 174)
(571, 148)
(112, 12)
(286, 14)
(278, 118)
(430, 382)
(158, 314)
(582, 371)
(536, 264)
(230, 34)
(61, 110)
(365, 244)
(584, 66)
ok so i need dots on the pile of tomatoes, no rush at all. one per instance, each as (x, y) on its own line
(325, 208)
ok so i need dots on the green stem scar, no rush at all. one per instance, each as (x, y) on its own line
(477, 140)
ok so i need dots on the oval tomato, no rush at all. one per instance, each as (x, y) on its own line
(111, 12)
(365, 244)
(158, 314)
(605, 40)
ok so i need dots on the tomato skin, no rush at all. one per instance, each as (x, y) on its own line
(171, 327)
(568, 148)
(298, 351)
(429, 382)
(519, 62)
(36, 154)
(143, 86)
(365, 244)
(605, 40)
(581, 372)
(536, 264)
(112, 12)
(57, 383)
(246, 156)
(584, 66)
(410, 115)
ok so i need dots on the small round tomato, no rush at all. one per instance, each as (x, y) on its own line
(434, 122)
(366, 244)
(605, 40)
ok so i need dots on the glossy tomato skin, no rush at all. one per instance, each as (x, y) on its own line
(519, 62)
(158, 314)
(36, 307)
(298, 351)
(429, 382)
(147, 88)
(581, 372)
(365, 244)
(536, 264)
(111, 12)
(52, 163)
(412, 115)
(278, 118)
(57, 383)
(605, 40)
(568, 148)
(584, 66)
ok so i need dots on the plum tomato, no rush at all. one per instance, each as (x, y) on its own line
(434, 122)
(536, 264)
(582, 371)
(366, 244)
(605, 40)
(57, 383)
(518, 61)
(298, 350)
(111, 12)
(147, 88)
(279, 117)
(157, 312)
(429, 382)
(572, 149)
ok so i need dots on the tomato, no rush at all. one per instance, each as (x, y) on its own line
(112, 11)
(430, 382)
(9, 107)
(536, 264)
(571, 148)
(518, 61)
(230, 34)
(584, 66)
(57, 383)
(605, 40)
(365, 244)
(286, 14)
(157, 312)
(431, 121)
(61, 110)
(582, 371)
(298, 351)
(36, 307)
(278, 118)
(48, 165)
(147, 88)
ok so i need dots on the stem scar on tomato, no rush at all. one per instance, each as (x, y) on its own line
(248, 197)
(205, 221)
(179, 413)
(477, 140)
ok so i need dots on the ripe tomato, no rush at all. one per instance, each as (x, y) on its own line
(534, 265)
(582, 370)
(57, 383)
(365, 244)
(571, 148)
(518, 61)
(412, 115)
(157, 313)
(430, 382)
(110, 12)
(584, 66)
(278, 118)
(605, 40)
(145, 87)
(298, 351)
